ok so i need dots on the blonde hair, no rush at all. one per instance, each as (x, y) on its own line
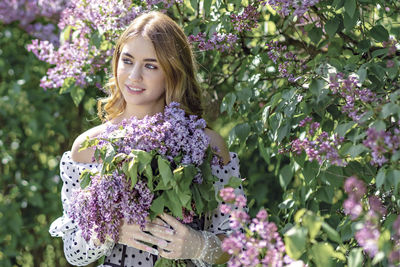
(175, 56)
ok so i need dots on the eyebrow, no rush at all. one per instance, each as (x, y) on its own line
(146, 59)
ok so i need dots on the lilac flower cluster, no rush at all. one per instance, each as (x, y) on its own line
(351, 93)
(171, 134)
(100, 208)
(288, 62)
(25, 11)
(382, 143)
(253, 242)
(318, 147)
(247, 20)
(286, 7)
(219, 41)
(368, 236)
(76, 58)
(394, 256)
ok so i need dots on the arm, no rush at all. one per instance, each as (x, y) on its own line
(77, 251)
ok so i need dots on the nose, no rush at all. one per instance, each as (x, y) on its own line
(136, 73)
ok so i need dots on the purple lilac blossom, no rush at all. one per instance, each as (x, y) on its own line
(99, 208)
(288, 63)
(353, 96)
(218, 41)
(382, 143)
(247, 20)
(259, 243)
(76, 59)
(170, 134)
(286, 7)
(318, 147)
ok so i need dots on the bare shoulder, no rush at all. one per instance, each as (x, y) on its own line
(216, 140)
(85, 156)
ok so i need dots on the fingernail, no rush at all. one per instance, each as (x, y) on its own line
(163, 244)
(170, 232)
(153, 251)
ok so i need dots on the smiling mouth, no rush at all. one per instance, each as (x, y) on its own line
(134, 89)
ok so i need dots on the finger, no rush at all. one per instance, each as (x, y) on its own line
(153, 240)
(144, 247)
(160, 231)
(167, 254)
(171, 221)
(160, 222)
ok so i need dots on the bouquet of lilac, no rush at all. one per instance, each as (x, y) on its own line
(157, 164)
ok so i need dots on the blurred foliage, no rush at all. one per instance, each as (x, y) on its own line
(36, 127)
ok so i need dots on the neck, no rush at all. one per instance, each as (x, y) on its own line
(139, 111)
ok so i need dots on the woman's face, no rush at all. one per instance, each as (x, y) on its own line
(140, 76)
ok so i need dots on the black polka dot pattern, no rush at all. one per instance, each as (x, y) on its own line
(79, 252)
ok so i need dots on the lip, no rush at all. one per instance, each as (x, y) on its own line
(131, 90)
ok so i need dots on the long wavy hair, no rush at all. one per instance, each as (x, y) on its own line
(175, 56)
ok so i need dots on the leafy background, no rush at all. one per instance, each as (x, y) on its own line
(252, 101)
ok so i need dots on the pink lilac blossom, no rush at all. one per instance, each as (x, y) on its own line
(355, 189)
(247, 20)
(288, 63)
(368, 238)
(318, 147)
(353, 96)
(297, 7)
(382, 144)
(218, 41)
(253, 241)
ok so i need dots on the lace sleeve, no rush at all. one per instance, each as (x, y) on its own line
(77, 251)
(218, 223)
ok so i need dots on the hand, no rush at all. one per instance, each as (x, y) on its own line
(132, 236)
(184, 243)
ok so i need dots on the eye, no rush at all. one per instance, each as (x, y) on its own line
(151, 66)
(127, 61)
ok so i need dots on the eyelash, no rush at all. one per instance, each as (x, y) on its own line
(129, 62)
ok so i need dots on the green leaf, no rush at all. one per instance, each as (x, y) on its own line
(356, 150)
(242, 131)
(165, 170)
(234, 182)
(295, 241)
(77, 94)
(85, 178)
(380, 178)
(350, 21)
(316, 86)
(207, 7)
(157, 205)
(364, 45)
(332, 26)
(228, 102)
(343, 128)
(389, 109)
(350, 7)
(393, 177)
(356, 258)
(332, 233)
(173, 203)
(285, 175)
(310, 171)
(133, 171)
(322, 254)
(313, 223)
(379, 33)
(315, 34)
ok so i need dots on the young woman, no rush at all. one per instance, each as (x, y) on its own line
(153, 65)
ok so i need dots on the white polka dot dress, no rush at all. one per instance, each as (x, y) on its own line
(78, 252)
